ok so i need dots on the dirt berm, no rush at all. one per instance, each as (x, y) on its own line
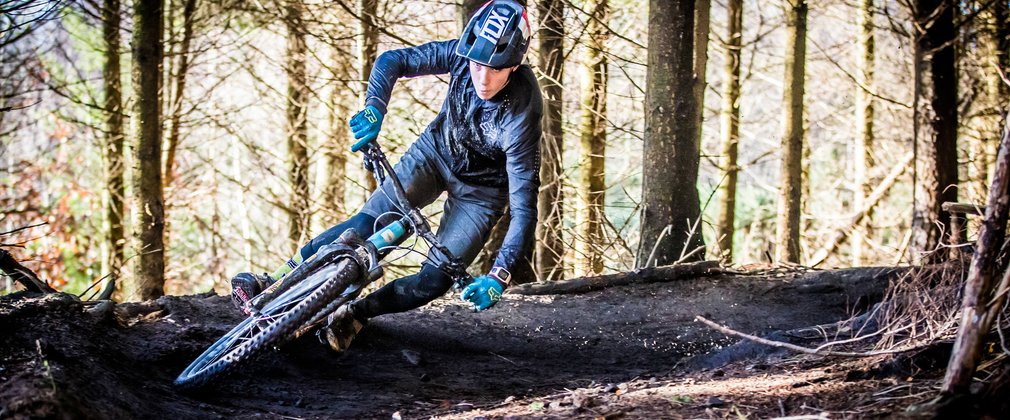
(66, 359)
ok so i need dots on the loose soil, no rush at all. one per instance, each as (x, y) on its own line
(631, 351)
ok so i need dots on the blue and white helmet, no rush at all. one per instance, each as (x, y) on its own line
(498, 35)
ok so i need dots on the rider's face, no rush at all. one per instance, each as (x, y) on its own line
(488, 81)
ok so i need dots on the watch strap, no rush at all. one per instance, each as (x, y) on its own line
(501, 274)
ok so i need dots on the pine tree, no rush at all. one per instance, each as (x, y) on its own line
(550, 248)
(730, 124)
(790, 204)
(935, 125)
(593, 133)
(670, 225)
(148, 211)
(297, 125)
(114, 158)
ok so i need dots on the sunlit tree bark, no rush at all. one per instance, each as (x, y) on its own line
(114, 159)
(990, 106)
(368, 45)
(550, 249)
(670, 226)
(297, 125)
(863, 150)
(179, 77)
(148, 278)
(593, 134)
(730, 125)
(787, 238)
(335, 145)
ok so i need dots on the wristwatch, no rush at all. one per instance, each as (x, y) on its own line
(500, 274)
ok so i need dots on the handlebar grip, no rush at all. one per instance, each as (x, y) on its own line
(361, 144)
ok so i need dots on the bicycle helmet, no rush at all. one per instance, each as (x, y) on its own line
(497, 36)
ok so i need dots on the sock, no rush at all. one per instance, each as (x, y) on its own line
(287, 267)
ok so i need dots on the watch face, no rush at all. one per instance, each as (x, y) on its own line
(501, 273)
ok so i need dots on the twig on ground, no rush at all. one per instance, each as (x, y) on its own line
(801, 349)
(504, 358)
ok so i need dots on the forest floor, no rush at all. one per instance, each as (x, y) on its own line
(631, 351)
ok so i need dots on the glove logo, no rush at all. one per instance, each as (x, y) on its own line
(370, 116)
(494, 294)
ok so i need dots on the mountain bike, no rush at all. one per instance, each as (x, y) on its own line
(301, 300)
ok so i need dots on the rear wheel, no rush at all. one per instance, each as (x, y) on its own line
(275, 324)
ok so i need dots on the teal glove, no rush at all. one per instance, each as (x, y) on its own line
(484, 292)
(365, 125)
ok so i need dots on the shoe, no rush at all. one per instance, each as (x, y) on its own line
(245, 286)
(341, 327)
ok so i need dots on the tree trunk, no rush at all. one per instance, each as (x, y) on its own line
(180, 87)
(297, 112)
(989, 107)
(935, 125)
(550, 249)
(335, 145)
(670, 225)
(790, 206)
(730, 129)
(863, 152)
(148, 279)
(702, 25)
(979, 296)
(466, 8)
(115, 189)
(368, 45)
(592, 185)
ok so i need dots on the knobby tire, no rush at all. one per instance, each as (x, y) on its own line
(220, 359)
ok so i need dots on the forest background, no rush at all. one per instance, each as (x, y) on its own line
(813, 113)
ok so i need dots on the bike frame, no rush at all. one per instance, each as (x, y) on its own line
(412, 220)
(385, 238)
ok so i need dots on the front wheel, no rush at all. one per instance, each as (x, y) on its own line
(273, 326)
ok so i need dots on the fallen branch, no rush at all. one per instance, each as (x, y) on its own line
(800, 349)
(875, 197)
(21, 274)
(642, 275)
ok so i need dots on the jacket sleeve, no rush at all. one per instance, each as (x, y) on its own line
(523, 168)
(431, 58)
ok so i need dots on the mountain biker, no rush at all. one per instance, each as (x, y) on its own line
(483, 148)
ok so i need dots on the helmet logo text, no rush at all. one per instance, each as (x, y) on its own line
(494, 27)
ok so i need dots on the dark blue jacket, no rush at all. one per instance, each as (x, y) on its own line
(493, 143)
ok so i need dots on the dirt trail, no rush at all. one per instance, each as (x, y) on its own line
(61, 358)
